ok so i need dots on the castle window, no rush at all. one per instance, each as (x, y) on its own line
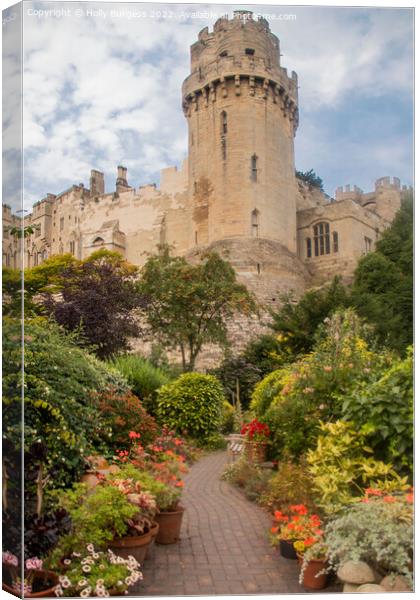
(308, 248)
(335, 241)
(37, 230)
(5, 232)
(196, 238)
(255, 217)
(223, 122)
(98, 242)
(250, 51)
(61, 223)
(368, 245)
(72, 246)
(258, 268)
(35, 258)
(322, 239)
(224, 148)
(223, 54)
(254, 170)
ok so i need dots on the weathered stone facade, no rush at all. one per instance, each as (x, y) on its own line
(236, 193)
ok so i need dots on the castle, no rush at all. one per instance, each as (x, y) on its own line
(237, 193)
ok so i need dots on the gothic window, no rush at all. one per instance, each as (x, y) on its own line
(35, 258)
(368, 245)
(98, 242)
(254, 170)
(37, 230)
(335, 241)
(259, 268)
(322, 239)
(5, 232)
(250, 51)
(255, 217)
(72, 247)
(308, 247)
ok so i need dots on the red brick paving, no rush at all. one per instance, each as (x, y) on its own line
(223, 547)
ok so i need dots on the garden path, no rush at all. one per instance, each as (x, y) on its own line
(223, 547)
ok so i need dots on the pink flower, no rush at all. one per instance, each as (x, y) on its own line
(34, 563)
(133, 435)
(10, 559)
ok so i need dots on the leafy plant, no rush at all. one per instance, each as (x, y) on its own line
(378, 530)
(290, 484)
(266, 390)
(342, 464)
(192, 403)
(228, 417)
(144, 378)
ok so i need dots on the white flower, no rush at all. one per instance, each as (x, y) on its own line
(100, 592)
(95, 555)
(82, 582)
(58, 591)
(66, 583)
(76, 554)
(67, 561)
(102, 567)
(86, 568)
(86, 592)
(90, 548)
(99, 582)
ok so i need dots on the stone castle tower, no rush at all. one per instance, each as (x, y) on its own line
(242, 112)
(236, 193)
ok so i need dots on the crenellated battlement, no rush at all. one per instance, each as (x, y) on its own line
(389, 183)
(348, 191)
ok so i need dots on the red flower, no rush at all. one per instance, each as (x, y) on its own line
(133, 435)
(389, 499)
(410, 498)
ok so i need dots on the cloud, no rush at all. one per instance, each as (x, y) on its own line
(104, 91)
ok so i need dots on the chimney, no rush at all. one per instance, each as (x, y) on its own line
(97, 186)
(121, 183)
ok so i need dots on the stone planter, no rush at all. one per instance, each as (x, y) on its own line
(132, 546)
(43, 583)
(255, 451)
(169, 526)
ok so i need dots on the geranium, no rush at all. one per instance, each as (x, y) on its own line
(256, 431)
(298, 525)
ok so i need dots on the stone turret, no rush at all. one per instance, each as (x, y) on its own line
(97, 185)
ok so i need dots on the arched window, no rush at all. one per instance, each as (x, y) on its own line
(322, 239)
(223, 122)
(308, 247)
(254, 169)
(255, 218)
(98, 242)
(335, 241)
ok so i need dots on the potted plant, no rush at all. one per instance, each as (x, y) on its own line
(37, 582)
(313, 573)
(96, 573)
(298, 525)
(256, 439)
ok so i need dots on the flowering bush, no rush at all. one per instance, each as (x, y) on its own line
(92, 573)
(298, 525)
(256, 431)
(289, 484)
(143, 500)
(378, 530)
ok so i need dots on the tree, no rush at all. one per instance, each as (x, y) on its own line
(297, 323)
(382, 291)
(311, 178)
(190, 305)
(97, 296)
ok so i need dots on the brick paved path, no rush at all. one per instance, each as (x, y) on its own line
(223, 547)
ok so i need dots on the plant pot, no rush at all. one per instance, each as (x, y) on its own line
(310, 579)
(255, 451)
(40, 577)
(135, 545)
(154, 531)
(287, 550)
(169, 526)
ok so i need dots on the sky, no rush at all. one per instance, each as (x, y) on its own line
(102, 87)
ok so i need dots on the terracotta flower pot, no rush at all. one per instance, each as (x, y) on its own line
(135, 545)
(287, 550)
(40, 578)
(255, 451)
(154, 531)
(169, 526)
(310, 579)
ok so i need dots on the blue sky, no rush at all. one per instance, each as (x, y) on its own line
(106, 90)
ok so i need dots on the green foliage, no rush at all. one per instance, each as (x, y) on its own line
(248, 476)
(379, 532)
(98, 516)
(266, 390)
(192, 403)
(213, 441)
(383, 284)
(238, 376)
(190, 305)
(384, 409)
(289, 485)
(12, 292)
(144, 378)
(59, 408)
(297, 322)
(311, 178)
(342, 465)
(228, 417)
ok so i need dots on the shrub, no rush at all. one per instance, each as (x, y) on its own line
(342, 465)
(384, 408)
(192, 403)
(144, 378)
(238, 376)
(378, 531)
(59, 409)
(228, 417)
(249, 476)
(214, 441)
(290, 485)
(266, 390)
(123, 413)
